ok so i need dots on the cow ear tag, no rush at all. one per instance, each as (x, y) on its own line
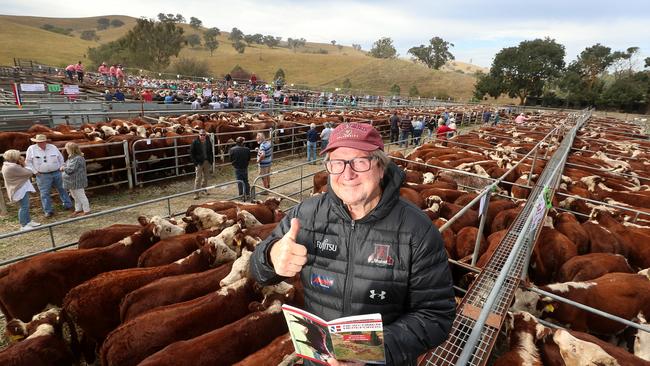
(549, 308)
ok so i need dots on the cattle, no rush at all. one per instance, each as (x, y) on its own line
(552, 249)
(103, 293)
(16, 329)
(320, 180)
(465, 242)
(42, 348)
(601, 240)
(590, 266)
(171, 249)
(275, 353)
(412, 196)
(633, 239)
(522, 336)
(567, 224)
(226, 345)
(625, 295)
(449, 210)
(504, 219)
(172, 290)
(106, 236)
(150, 332)
(28, 286)
(493, 243)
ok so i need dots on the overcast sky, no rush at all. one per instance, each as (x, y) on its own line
(478, 29)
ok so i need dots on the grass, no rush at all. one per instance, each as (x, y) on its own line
(23, 38)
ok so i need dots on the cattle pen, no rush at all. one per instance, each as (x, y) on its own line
(486, 302)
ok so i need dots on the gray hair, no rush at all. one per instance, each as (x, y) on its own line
(11, 156)
(313, 125)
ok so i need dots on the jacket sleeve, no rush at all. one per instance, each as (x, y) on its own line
(71, 166)
(260, 265)
(194, 152)
(430, 300)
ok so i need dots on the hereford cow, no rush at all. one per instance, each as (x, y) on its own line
(552, 249)
(28, 286)
(522, 334)
(567, 224)
(172, 249)
(171, 290)
(591, 266)
(42, 348)
(103, 293)
(145, 335)
(279, 350)
(226, 345)
(627, 295)
(106, 236)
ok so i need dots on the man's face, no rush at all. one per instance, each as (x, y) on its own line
(259, 139)
(42, 144)
(202, 137)
(356, 188)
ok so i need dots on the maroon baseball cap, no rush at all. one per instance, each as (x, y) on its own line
(360, 136)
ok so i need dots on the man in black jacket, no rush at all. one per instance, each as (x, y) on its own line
(240, 155)
(394, 127)
(201, 154)
(359, 248)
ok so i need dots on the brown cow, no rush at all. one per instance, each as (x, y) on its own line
(590, 266)
(172, 249)
(226, 345)
(567, 224)
(466, 240)
(552, 250)
(145, 335)
(279, 350)
(412, 196)
(28, 286)
(172, 290)
(522, 335)
(106, 236)
(43, 348)
(625, 295)
(493, 243)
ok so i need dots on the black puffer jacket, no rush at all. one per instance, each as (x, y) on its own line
(392, 262)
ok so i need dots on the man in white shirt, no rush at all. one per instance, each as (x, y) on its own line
(45, 160)
(196, 104)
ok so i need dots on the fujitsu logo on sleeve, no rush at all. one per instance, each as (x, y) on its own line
(326, 246)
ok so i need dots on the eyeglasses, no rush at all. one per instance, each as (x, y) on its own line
(359, 165)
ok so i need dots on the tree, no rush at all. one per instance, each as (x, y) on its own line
(279, 75)
(295, 43)
(434, 55)
(628, 93)
(169, 17)
(210, 39)
(333, 43)
(395, 89)
(271, 41)
(103, 23)
(239, 46)
(149, 45)
(523, 70)
(383, 48)
(414, 92)
(249, 39)
(236, 35)
(347, 84)
(593, 61)
(193, 40)
(487, 84)
(258, 38)
(116, 23)
(89, 35)
(356, 46)
(195, 23)
(191, 67)
(647, 62)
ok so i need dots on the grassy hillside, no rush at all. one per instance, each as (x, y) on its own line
(23, 38)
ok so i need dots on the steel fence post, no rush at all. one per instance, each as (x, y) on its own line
(477, 244)
(127, 163)
(176, 155)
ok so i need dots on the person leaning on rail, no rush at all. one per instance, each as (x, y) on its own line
(360, 248)
(18, 185)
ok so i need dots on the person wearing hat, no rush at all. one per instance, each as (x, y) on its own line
(240, 156)
(360, 248)
(45, 160)
(18, 185)
(201, 154)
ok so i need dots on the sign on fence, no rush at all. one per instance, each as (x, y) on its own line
(71, 89)
(32, 87)
(54, 88)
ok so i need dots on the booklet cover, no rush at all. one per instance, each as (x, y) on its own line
(357, 338)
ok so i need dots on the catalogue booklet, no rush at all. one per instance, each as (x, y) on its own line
(357, 338)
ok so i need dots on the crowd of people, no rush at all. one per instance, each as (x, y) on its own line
(46, 163)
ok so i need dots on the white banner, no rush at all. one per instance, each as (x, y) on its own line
(32, 87)
(70, 89)
(207, 92)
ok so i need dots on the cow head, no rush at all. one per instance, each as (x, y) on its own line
(272, 203)
(247, 220)
(17, 330)
(282, 293)
(219, 251)
(205, 218)
(162, 228)
(434, 203)
(239, 269)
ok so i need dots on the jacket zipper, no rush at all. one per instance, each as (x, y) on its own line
(347, 289)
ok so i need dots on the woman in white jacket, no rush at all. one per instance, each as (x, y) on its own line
(18, 185)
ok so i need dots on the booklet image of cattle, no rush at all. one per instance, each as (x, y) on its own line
(357, 338)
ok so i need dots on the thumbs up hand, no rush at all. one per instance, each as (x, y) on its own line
(287, 256)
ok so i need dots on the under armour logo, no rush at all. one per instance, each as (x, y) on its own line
(382, 294)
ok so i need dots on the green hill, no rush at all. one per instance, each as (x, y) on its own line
(24, 38)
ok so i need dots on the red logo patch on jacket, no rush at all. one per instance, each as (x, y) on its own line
(381, 256)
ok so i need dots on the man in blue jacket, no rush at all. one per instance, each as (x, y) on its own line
(359, 248)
